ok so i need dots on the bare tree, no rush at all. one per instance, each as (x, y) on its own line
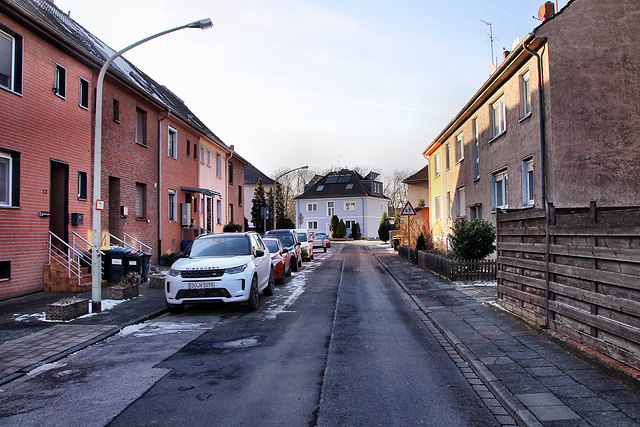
(292, 186)
(394, 188)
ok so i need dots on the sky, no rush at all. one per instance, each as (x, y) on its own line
(324, 83)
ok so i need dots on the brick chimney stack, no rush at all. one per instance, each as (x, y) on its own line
(546, 11)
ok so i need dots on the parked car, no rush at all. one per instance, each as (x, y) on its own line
(306, 244)
(321, 240)
(229, 267)
(280, 259)
(289, 240)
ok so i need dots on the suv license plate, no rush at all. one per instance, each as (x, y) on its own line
(202, 285)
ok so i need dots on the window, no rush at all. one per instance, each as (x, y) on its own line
(141, 200)
(499, 190)
(209, 158)
(5, 270)
(83, 97)
(436, 166)
(202, 155)
(349, 206)
(61, 81)
(82, 185)
(188, 148)
(231, 212)
(460, 202)
(436, 204)
(475, 211)
(525, 95)
(527, 183)
(498, 118)
(239, 195)
(116, 111)
(218, 165)
(331, 209)
(350, 187)
(349, 224)
(448, 206)
(312, 207)
(9, 178)
(10, 61)
(219, 211)
(459, 147)
(172, 149)
(195, 152)
(173, 206)
(312, 225)
(141, 126)
(320, 188)
(230, 173)
(476, 151)
(447, 160)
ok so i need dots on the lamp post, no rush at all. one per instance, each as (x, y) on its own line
(275, 189)
(98, 204)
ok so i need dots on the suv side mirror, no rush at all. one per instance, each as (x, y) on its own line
(285, 250)
(259, 253)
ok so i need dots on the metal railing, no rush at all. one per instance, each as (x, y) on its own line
(136, 244)
(65, 255)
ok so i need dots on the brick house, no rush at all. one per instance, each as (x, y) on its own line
(551, 124)
(48, 71)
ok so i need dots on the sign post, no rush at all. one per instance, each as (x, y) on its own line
(408, 211)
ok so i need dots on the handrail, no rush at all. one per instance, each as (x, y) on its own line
(66, 259)
(140, 244)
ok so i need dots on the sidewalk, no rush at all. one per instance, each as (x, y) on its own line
(537, 381)
(26, 341)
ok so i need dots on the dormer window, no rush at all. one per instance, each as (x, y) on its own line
(320, 188)
(349, 187)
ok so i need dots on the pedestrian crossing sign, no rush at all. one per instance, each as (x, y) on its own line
(408, 210)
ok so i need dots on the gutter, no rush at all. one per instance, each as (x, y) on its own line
(160, 182)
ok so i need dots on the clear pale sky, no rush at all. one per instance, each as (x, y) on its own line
(318, 82)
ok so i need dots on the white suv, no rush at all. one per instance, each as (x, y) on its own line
(306, 243)
(231, 267)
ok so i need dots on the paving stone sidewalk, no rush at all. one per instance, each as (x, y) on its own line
(535, 379)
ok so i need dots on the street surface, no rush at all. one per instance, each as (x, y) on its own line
(336, 345)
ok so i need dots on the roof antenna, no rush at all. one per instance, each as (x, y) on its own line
(491, 39)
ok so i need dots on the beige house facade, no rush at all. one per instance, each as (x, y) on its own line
(553, 123)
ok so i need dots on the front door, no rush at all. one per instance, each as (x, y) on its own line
(59, 200)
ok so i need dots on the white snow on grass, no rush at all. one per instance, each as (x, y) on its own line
(107, 304)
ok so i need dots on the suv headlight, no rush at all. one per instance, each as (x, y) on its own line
(174, 273)
(236, 270)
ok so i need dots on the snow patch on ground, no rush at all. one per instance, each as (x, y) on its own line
(107, 304)
(47, 367)
(160, 328)
(476, 284)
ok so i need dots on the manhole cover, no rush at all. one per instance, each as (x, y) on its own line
(239, 343)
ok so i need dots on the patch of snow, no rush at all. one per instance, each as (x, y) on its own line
(160, 328)
(44, 368)
(475, 284)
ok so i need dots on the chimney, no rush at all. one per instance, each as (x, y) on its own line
(505, 53)
(546, 11)
(232, 147)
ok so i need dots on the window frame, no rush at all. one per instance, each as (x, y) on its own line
(230, 173)
(218, 165)
(173, 206)
(7, 158)
(172, 142)
(141, 200)
(528, 182)
(501, 176)
(60, 81)
(526, 107)
(16, 41)
(348, 205)
(116, 111)
(436, 160)
(312, 207)
(447, 157)
(459, 147)
(461, 196)
(312, 225)
(331, 210)
(476, 149)
(82, 185)
(437, 208)
(83, 93)
(499, 120)
(141, 127)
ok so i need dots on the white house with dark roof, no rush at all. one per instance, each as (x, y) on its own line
(348, 195)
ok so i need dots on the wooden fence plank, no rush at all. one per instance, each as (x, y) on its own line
(523, 280)
(598, 230)
(537, 248)
(608, 301)
(612, 254)
(619, 279)
(523, 263)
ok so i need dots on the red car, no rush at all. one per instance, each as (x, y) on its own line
(280, 258)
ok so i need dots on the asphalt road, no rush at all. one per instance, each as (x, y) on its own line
(336, 345)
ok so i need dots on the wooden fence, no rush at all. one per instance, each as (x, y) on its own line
(576, 271)
(451, 269)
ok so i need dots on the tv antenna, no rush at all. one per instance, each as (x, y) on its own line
(491, 40)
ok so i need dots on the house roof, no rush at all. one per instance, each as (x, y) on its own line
(421, 176)
(58, 25)
(344, 183)
(252, 174)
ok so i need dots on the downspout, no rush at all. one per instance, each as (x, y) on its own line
(363, 216)
(160, 182)
(543, 191)
(227, 186)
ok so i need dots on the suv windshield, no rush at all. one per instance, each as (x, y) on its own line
(302, 237)
(219, 246)
(287, 240)
(271, 245)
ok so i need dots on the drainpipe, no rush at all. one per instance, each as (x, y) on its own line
(160, 182)
(233, 151)
(543, 191)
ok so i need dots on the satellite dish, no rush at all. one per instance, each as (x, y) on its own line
(493, 67)
(515, 44)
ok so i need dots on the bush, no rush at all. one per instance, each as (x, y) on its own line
(335, 221)
(473, 239)
(356, 234)
(232, 228)
(385, 227)
(342, 229)
(421, 244)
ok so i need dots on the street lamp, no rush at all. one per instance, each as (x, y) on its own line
(275, 188)
(98, 205)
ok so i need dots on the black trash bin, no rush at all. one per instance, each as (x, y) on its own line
(114, 264)
(146, 260)
(133, 263)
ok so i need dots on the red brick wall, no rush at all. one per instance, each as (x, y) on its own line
(176, 173)
(238, 179)
(42, 127)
